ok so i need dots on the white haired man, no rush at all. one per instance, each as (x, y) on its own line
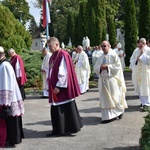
(82, 69)
(18, 66)
(45, 69)
(140, 65)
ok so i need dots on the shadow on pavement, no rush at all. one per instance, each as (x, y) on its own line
(132, 89)
(133, 108)
(91, 99)
(93, 90)
(90, 110)
(125, 148)
(34, 133)
(46, 123)
(132, 97)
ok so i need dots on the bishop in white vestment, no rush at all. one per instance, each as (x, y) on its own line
(140, 65)
(45, 68)
(82, 69)
(111, 84)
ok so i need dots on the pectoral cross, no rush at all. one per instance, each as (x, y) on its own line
(104, 60)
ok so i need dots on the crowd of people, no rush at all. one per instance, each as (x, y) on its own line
(65, 77)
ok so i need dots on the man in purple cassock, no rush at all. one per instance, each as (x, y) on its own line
(63, 89)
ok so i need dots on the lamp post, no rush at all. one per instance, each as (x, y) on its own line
(56, 25)
(20, 12)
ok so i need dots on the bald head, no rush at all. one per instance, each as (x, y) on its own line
(79, 48)
(105, 46)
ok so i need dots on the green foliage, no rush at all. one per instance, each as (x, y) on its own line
(19, 8)
(32, 25)
(144, 19)
(70, 26)
(145, 133)
(99, 31)
(131, 30)
(81, 23)
(96, 21)
(91, 27)
(13, 33)
(76, 42)
(33, 62)
(112, 31)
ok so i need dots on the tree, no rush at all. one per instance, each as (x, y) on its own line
(112, 31)
(131, 30)
(59, 11)
(81, 29)
(19, 8)
(144, 19)
(32, 25)
(70, 26)
(13, 33)
(91, 27)
(99, 30)
(90, 22)
(76, 20)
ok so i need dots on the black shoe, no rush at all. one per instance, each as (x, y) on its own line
(9, 145)
(120, 116)
(44, 97)
(106, 121)
(52, 134)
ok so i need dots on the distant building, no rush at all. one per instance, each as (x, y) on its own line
(38, 40)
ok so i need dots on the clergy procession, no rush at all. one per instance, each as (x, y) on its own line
(65, 78)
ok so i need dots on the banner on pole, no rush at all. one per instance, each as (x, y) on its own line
(46, 13)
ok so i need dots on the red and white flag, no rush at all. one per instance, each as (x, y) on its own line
(46, 13)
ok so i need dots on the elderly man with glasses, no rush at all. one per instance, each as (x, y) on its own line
(111, 84)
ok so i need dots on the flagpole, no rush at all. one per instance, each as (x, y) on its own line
(47, 32)
(47, 28)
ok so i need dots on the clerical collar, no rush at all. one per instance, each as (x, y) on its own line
(2, 59)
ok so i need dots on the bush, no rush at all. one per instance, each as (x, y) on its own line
(145, 133)
(33, 62)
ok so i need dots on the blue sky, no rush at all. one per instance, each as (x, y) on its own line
(34, 11)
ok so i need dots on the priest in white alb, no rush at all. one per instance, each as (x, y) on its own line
(82, 69)
(111, 84)
(140, 66)
(121, 55)
(44, 69)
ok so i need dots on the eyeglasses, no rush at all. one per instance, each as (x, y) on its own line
(103, 45)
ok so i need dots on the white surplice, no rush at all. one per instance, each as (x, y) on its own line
(141, 74)
(62, 81)
(45, 67)
(82, 69)
(9, 91)
(111, 86)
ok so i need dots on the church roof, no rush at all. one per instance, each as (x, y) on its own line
(36, 34)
